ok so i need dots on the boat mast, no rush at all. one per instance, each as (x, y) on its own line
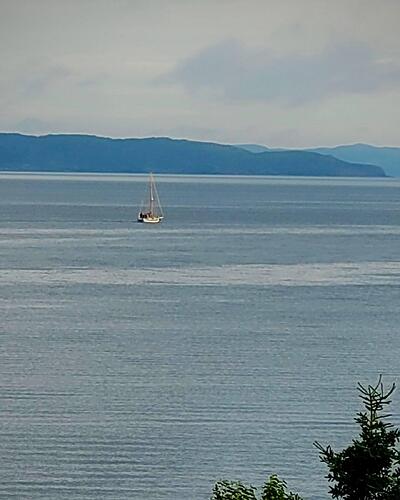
(151, 194)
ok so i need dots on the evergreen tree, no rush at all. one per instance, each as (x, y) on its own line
(369, 468)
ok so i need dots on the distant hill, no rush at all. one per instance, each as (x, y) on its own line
(87, 153)
(386, 157)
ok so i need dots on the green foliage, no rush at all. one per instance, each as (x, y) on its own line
(228, 490)
(275, 489)
(369, 468)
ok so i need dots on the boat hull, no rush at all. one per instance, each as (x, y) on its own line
(150, 220)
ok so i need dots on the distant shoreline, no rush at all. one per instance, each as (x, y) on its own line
(166, 177)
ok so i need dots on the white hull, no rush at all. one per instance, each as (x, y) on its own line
(150, 220)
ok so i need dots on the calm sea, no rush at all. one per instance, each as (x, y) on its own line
(146, 363)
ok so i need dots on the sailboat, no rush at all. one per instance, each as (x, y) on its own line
(151, 211)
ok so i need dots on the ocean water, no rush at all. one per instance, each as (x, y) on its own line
(145, 362)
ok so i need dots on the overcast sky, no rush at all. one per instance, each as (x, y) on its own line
(284, 73)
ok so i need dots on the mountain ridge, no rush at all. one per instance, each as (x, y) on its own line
(387, 157)
(91, 153)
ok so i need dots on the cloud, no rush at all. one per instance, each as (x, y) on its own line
(296, 73)
(41, 80)
(234, 71)
(34, 79)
